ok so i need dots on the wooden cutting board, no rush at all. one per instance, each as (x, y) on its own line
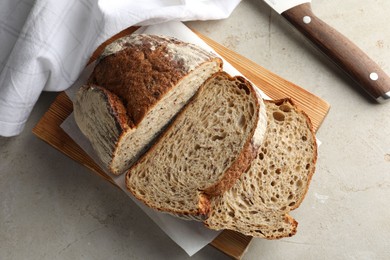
(231, 243)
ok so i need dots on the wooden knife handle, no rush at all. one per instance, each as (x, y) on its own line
(342, 51)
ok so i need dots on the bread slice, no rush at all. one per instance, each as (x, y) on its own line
(139, 84)
(277, 180)
(202, 153)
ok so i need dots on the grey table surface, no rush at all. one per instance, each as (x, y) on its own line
(53, 208)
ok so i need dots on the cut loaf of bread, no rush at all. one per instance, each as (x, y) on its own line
(204, 151)
(140, 82)
(277, 180)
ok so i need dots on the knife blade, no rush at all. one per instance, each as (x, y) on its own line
(347, 55)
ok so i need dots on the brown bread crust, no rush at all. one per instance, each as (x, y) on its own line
(144, 70)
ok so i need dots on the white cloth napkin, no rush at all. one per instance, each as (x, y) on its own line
(45, 44)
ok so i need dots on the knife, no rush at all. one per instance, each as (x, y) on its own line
(336, 46)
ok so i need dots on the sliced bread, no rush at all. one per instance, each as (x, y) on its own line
(277, 180)
(139, 84)
(204, 151)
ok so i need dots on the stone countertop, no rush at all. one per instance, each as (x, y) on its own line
(53, 208)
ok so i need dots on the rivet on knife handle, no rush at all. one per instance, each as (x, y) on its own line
(341, 50)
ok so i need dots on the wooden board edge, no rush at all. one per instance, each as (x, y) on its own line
(232, 243)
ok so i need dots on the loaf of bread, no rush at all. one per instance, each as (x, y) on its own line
(194, 141)
(277, 180)
(139, 84)
(204, 151)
